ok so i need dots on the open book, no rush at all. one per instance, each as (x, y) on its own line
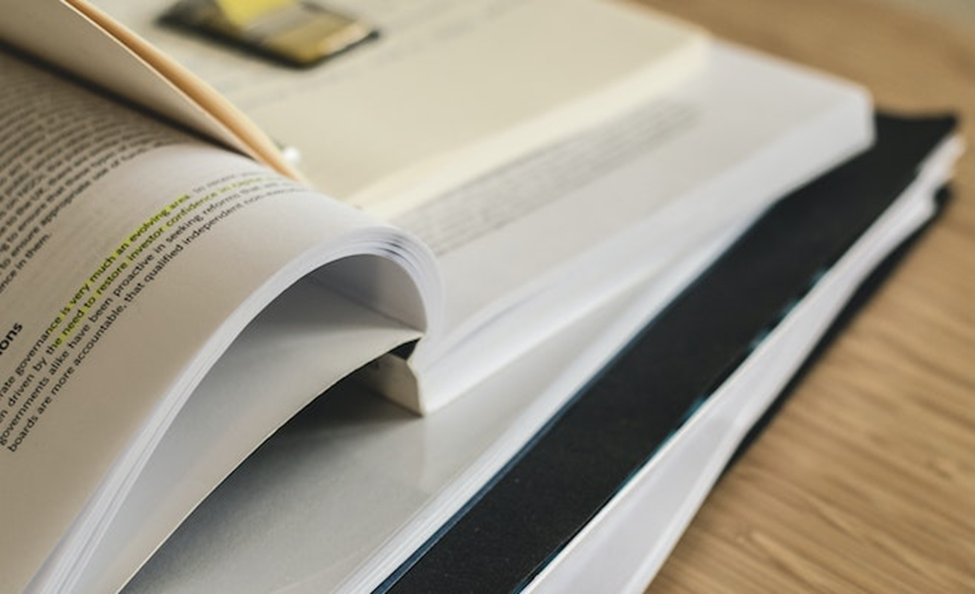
(343, 497)
(170, 295)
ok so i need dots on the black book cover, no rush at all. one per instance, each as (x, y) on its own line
(608, 431)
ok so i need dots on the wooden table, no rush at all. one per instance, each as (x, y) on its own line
(865, 481)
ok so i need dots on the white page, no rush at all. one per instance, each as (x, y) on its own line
(132, 254)
(297, 348)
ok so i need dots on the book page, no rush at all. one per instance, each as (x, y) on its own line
(534, 244)
(448, 90)
(74, 36)
(278, 356)
(131, 255)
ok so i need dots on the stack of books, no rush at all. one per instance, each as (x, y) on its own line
(578, 248)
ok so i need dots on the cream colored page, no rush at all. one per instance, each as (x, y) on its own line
(81, 40)
(665, 176)
(130, 255)
(448, 91)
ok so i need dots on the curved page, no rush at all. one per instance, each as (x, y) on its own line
(131, 256)
(238, 397)
(80, 39)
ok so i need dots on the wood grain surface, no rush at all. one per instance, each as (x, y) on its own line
(865, 481)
